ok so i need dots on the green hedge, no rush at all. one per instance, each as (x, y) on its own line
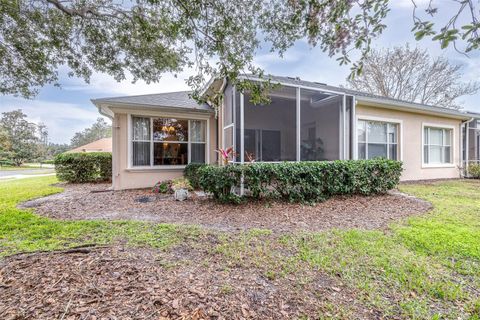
(191, 173)
(474, 170)
(304, 182)
(84, 167)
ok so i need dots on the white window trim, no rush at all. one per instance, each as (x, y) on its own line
(399, 122)
(452, 151)
(152, 167)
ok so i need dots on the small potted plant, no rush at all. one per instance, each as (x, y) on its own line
(181, 187)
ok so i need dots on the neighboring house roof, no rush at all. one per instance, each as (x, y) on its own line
(101, 145)
(179, 99)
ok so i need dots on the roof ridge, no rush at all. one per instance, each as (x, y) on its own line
(142, 95)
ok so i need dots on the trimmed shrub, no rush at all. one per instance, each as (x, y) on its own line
(474, 170)
(191, 173)
(84, 167)
(303, 182)
(7, 163)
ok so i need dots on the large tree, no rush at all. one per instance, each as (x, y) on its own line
(100, 129)
(413, 75)
(146, 38)
(20, 136)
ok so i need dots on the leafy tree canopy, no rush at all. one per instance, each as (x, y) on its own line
(412, 75)
(20, 140)
(100, 129)
(146, 38)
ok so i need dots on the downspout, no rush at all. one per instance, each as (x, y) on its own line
(465, 125)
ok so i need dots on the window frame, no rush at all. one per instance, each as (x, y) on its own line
(444, 127)
(153, 116)
(397, 122)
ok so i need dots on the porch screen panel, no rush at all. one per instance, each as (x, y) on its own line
(320, 125)
(228, 103)
(270, 129)
(141, 141)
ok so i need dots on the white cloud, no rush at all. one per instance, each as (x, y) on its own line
(409, 4)
(104, 85)
(61, 119)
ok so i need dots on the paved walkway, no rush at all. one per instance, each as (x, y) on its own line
(25, 173)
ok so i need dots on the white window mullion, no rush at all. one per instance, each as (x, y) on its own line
(151, 142)
(298, 124)
(189, 142)
(366, 140)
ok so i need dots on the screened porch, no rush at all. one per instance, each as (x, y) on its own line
(299, 124)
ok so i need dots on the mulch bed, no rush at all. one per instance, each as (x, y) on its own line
(88, 201)
(126, 283)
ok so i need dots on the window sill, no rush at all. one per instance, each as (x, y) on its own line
(433, 166)
(156, 168)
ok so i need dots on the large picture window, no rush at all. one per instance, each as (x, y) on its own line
(437, 145)
(167, 141)
(377, 139)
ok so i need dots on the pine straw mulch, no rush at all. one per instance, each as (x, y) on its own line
(126, 283)
(92, 201)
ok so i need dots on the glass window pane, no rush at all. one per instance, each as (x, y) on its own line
(447, 154)
(362, 147)
(141, 154)
(425, 136)
(170, 130)
(435, 155)
(436, 136)
(361, 131)
(198, 153)
(141, 128)
(393, 152)
(425, 155)
(170, 153)
(377, 151)
(448, 138)
(392, 133)
(197, 130)
(271, 141)
(377, 132)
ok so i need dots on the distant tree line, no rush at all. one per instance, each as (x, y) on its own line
(24, 141)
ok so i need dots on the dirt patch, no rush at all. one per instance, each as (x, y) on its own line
(86, 202)
(118, 283)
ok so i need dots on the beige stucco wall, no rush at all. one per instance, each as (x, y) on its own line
(411, 145)
(410, 139)
(132, 178)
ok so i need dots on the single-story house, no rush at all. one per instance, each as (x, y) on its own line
(156, 135)
(100, 145)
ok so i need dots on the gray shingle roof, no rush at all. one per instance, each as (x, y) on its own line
(413, 105)
(182, 100)
(179, 99)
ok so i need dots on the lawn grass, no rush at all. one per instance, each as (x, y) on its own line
(427, 267)
(23, 231)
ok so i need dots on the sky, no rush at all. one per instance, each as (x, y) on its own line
(68, 109)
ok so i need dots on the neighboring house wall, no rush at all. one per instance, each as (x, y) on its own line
(411, 143)
(131, 178)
